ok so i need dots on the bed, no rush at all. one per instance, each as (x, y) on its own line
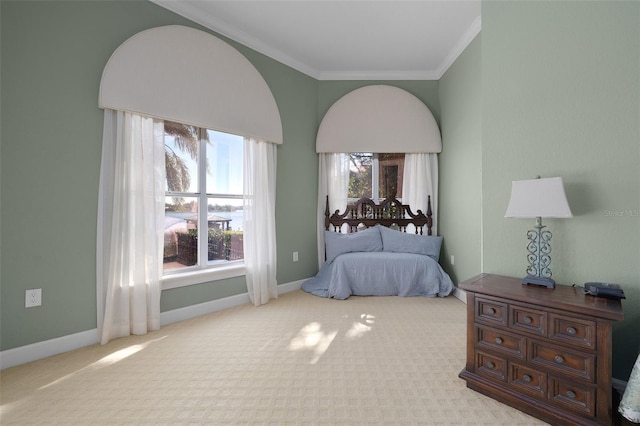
(380, 249)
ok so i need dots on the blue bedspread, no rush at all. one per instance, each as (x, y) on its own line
(380, 274)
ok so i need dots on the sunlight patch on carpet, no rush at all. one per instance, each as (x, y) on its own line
(311, 337)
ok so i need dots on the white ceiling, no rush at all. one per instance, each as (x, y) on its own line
(348, 39)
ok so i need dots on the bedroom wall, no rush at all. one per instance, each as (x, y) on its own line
(460, 165)
(561, 97)
(53, 54)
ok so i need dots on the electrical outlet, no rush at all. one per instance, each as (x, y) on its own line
(452, 261)
(33, 298)
(295, 256)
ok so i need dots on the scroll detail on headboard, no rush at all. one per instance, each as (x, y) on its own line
(389, 212)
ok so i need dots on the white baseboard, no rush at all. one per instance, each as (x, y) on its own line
(47, 348)
(292, 286)
(188, 312)
(193, 311)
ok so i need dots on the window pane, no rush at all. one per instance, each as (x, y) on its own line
(180, 232)
(224, 163)
(181, 157)
(225, 231)
(360, 174)
(391, 169)
(214, 178)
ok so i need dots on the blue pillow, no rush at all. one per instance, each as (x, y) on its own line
(401, 242)
(365, 240)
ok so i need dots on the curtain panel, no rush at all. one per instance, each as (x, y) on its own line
(420, 179)
(333, 180)
(130, 225)
(260, 259)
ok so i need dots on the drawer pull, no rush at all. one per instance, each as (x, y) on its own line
(491, 311)
(571, 395)
(527, 320)
(571, 331)
(559, 359)
(527, 378)
(498, 341)
(491, 365)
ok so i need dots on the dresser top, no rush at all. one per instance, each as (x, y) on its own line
(561, 297)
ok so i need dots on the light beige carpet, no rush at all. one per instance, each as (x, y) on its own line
(299, 360)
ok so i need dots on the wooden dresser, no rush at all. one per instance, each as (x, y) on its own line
(546, 352)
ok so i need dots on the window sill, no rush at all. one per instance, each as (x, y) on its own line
(202, 276)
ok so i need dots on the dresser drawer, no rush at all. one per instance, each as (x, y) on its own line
(573, 363)
(499, 340)
(528, 320)
(528, 380)
(491, 311)
(491, 366)
(581, 399)
(573, 331)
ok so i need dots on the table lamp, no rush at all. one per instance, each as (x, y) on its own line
(538, 198)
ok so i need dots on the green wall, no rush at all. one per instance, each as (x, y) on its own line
(460, 165)
(561, 97)
(53, 54)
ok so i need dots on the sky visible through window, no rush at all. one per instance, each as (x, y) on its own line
(225, 158)
(224, 153)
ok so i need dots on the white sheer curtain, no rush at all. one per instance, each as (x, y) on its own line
(260, 220)
(130, 225)
(420, 179)
(333, 180)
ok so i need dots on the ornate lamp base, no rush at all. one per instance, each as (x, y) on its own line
(547, 282)
(538, 272)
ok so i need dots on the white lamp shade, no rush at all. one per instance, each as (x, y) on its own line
(538, 198)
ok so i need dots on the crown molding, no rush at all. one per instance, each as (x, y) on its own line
(377, 75)
(466, 39)
(190, 12)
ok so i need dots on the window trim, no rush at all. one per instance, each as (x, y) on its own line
(203, 271)
(375, 178)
